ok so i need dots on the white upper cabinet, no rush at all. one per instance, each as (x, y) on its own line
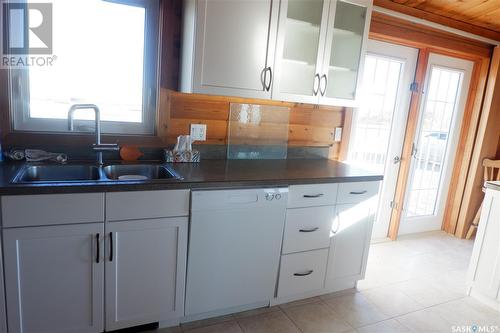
(228, 47)
(306, 51)
(299, 50)
(344, 51)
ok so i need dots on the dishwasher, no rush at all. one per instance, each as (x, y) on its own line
(234, 248)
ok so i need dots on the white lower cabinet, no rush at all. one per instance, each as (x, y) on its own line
(349, 244)
(145, 271)
(302, 272)
(54, 278)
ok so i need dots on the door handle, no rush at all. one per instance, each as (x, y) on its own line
(316, 87)
(397, 159)
(326, 83)
(309, 272)
(309, 230)
(313, 195)
(111, 246)
(98, 250)
(414, 150)
(268, 87)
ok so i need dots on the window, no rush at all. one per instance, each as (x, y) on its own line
(106, 53)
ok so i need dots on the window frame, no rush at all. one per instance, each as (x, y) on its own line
(18, 86)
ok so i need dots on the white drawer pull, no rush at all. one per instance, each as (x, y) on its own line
(359, 192)
(309, 230)
(309, 272)
(319, 195)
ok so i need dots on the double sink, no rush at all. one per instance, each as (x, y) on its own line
(92, 173)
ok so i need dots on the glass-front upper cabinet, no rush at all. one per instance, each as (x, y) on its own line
(302, 30)
(344, 51)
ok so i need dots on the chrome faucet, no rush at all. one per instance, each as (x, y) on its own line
(98, 146)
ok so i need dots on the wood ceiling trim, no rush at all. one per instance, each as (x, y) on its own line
(388, 28)
(432, 17)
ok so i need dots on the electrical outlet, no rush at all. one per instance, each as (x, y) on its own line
(199, 132)
(338, 134)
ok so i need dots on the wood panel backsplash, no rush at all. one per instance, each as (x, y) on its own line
(310, 125)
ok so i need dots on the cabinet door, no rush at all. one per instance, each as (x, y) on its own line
(3, 313)
(234, 46)
(300, 46)
(54, 278)
(344, 52)
(145, 271)
(350, 242)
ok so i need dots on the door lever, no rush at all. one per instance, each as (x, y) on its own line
(397, 159)
(414, 150)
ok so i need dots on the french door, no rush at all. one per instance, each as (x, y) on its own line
(435, 143)
(379, 123)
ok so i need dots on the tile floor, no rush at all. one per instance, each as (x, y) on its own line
(416, 284)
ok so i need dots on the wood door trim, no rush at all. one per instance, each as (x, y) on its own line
(411, 128)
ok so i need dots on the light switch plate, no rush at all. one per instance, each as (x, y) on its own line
(338, 134)
(199, 132)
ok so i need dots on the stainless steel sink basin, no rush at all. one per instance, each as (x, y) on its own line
(138, 172)
(57, 173)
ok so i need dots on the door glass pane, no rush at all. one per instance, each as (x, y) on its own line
(373, 122)
(435, 130)
(348, 31)
(300, 51)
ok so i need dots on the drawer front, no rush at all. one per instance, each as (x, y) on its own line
(48, 209)
(302, 272)
(122, 206)
(308, 228)
(356, 192)
(312, 195)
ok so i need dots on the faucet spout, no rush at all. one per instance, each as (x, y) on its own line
(98, 146)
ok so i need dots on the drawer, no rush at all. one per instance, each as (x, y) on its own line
(312, 195)
(134, 205)
(356, 192)
(302, 272)
(307, 228)
(48, 209)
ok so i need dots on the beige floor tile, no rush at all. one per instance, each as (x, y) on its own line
(317, 318)
(386, 326)
(274, 322)
(226, 327)
(467, 312)
(426, 320)
(300, 302)
(391, 301)
(426, 293)
(206, 322)
(356, 309)
(255, 312)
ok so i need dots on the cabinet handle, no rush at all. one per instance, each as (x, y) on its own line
(110, 246)
(98, 252)
(319, 195)
(309, 230)
(309, 272)
(263, 78)
(358, 192)
(315, 89)
(326, 83)
(268, 87)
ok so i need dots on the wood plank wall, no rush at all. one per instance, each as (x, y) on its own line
(310, 125)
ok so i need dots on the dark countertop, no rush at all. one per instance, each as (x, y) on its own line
(494, 185)
(204, 175)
